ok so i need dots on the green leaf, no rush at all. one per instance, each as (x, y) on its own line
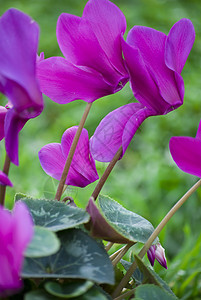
(114, 223)
(152, 292)
(151, 277)
(137, 274)
(68, 290)
(44, 243)
(95, 293)
(39, 295)
(20, 196)
(80, 257)
(55, 215)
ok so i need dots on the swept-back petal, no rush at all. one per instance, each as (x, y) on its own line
(83, 163)
(113, 132)
(3, 112)
(64, 82)
(178, 44)
(151, 44)
(133, 124)
(142, 84)
(52, 160)
(19, 34)
(4, 180)
(12, 126)
(108, 23)
(73, 31)
(186, 152)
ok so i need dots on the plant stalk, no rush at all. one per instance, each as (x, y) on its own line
(106, 174)
(114, 255)
(71, 153)
(154, 235)
(121, 253)
(129, 293)
(3, 187)
(109, 246)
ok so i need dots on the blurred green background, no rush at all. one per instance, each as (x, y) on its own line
(146, 180)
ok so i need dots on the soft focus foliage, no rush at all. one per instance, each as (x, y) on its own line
(153, 182)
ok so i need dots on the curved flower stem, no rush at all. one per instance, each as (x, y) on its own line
(114, 255)
(154, 235)
(106, 174)
(3, 187)
(129, 293)
(71, 153)
(121, 253)
(109, 246)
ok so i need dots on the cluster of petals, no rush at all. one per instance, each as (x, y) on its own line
(186, 152)
(16, 231)
(154, 62)
(18, 49)
(93, 66)
(82, 170)
(157, 252)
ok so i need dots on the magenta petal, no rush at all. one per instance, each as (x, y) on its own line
(13, 125)
(108, 23)
(19, 34)
(112, 132)
(23, 231)
(15, 234)
(82, 170)
(186, 152)
(143, 86)
(63, 82)
(52, 160)
(3, 112)
(83, 163)
(151, 44)
(73, 31)
(178, 44)
(133, 124)
(4, 180)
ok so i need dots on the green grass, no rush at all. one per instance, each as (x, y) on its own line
(146, 180)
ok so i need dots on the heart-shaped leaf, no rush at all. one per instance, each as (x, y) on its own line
(80, 256)
(55, 215)
(95, 293)
(44, 243)
(112, 222)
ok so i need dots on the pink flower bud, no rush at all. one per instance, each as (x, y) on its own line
(151, 254)
(160, 255)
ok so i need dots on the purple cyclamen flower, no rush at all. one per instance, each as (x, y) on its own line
(157, 252)
(154, 62)
(93, 66)
(82, 170)
(18, 49)
(186, 152)
(16, 231)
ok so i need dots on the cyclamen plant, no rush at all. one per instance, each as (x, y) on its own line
(51, 249)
